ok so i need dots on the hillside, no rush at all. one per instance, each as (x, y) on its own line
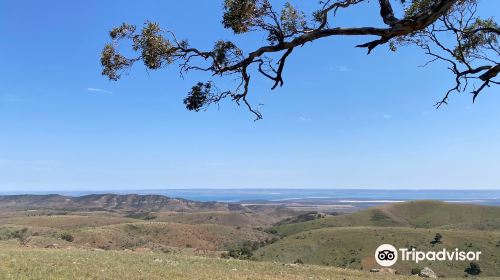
(349, 240)
(21, 264)
(252, 219)
(111, 202)
(98, 230)
(134, 222)
(353, 247)
(161, 236)
(417, 214)
(344, 240)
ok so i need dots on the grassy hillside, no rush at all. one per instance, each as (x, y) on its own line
(157, 235)
(428, 214)
(346, 241)
(68, 221)
(155, 230)
(21, 264)
(251, 220)
(418, 214)
(349, 240)
(110, 202)
(354, 248)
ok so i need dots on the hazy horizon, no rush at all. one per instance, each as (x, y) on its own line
(131, 190)
(345, 197)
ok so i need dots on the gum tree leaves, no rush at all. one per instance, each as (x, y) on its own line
(449, 31)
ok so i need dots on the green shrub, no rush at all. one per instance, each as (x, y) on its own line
(271, 230)
(298, 261)
(415, 271)
(437, 239)
(473, 269)
(67, 237)
(22, 235)
(244, 250)
(149, 217)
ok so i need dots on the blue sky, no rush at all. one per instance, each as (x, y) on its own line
(342, 120)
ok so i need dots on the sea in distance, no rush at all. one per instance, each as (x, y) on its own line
(360, 197)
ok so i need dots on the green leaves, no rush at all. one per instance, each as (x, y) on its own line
(198, 97)
(156, 50)
(112, 62)
(418, 6)
(239, 15)
(292, 20)
(476, 36)
(428, 24)
(225, 53)
(245, 15)
(123, 31)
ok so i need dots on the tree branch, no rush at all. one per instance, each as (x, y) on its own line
(476, 40)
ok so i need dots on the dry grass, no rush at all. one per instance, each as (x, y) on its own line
(30, 264)
(353, 247)
(68, 221)
(248, 220)
(154, 234)
(102, 230)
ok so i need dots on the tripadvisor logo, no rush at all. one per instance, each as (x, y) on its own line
(387, 255)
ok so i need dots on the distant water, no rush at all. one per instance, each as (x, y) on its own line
(341, 196)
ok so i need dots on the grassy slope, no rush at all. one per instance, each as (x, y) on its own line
(350, 240)
(31, 264)
(68, 221)
(153, 235)
(354, 248)
(158, 234)
(251, 220)
(346, 240)
(205, 230)
(420, 214)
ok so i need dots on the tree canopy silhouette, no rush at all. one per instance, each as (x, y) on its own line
(449, 31)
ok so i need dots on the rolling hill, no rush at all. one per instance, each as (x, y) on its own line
(134, 222)
(350, 240)
(416, 214)
(111, 202)
(168, 228)
(162, 235)
(24, 264)
(354, 247)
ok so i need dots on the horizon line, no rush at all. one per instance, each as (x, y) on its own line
(131, 190)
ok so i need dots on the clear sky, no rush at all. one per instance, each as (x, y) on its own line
(342, 120)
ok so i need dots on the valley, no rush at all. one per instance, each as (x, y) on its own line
(275, 237)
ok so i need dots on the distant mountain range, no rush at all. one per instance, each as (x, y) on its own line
(111, 202)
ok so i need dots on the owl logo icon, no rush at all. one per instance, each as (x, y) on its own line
(386, 255)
